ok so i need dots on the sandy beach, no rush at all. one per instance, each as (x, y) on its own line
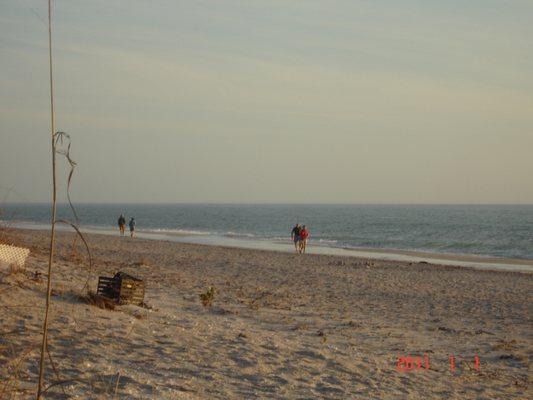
(281, 325)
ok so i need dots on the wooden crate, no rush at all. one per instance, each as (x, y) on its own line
(123, 288)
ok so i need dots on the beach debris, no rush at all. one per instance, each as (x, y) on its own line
(122, 288)
(13, 256)
(208, 297)
(321, 334)
(515, 358)
(37, 276)
(446, 329)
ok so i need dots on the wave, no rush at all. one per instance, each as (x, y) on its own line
(239, 235)
(177, 232)
(329, 242)
(499, 231)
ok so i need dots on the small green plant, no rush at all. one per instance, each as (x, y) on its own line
(208, 297)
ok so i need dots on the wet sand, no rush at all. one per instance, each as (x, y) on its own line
(281, 325)
(469, 260)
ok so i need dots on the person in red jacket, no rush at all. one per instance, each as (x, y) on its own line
(304, 234)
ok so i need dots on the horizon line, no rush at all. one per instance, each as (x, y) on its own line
(274, 203)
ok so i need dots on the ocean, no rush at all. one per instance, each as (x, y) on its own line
(504, 231)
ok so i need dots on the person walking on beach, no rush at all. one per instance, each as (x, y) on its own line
(304, 234)
(295, 235)
(121, 224)
(132, 226)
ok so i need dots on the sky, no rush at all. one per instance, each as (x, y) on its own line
(249, 101)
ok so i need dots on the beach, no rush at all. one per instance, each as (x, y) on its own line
(281, 325)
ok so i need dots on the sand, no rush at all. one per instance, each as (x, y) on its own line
(281, 325)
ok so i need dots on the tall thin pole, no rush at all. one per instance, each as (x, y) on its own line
(53, 221)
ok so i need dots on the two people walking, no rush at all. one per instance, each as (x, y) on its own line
(299, 235)
(122, 225)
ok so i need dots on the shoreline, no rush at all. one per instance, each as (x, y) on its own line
(480, 262)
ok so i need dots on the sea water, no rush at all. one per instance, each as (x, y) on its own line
(504, 231)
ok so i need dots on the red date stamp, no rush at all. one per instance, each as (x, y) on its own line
(420, 363)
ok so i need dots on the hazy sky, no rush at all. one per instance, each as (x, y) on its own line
(389, 101)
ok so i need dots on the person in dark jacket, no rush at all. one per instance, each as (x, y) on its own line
(121, 224)
(132, 226)
(295, 235)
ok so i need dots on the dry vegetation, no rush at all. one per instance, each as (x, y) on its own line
(208, 297)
